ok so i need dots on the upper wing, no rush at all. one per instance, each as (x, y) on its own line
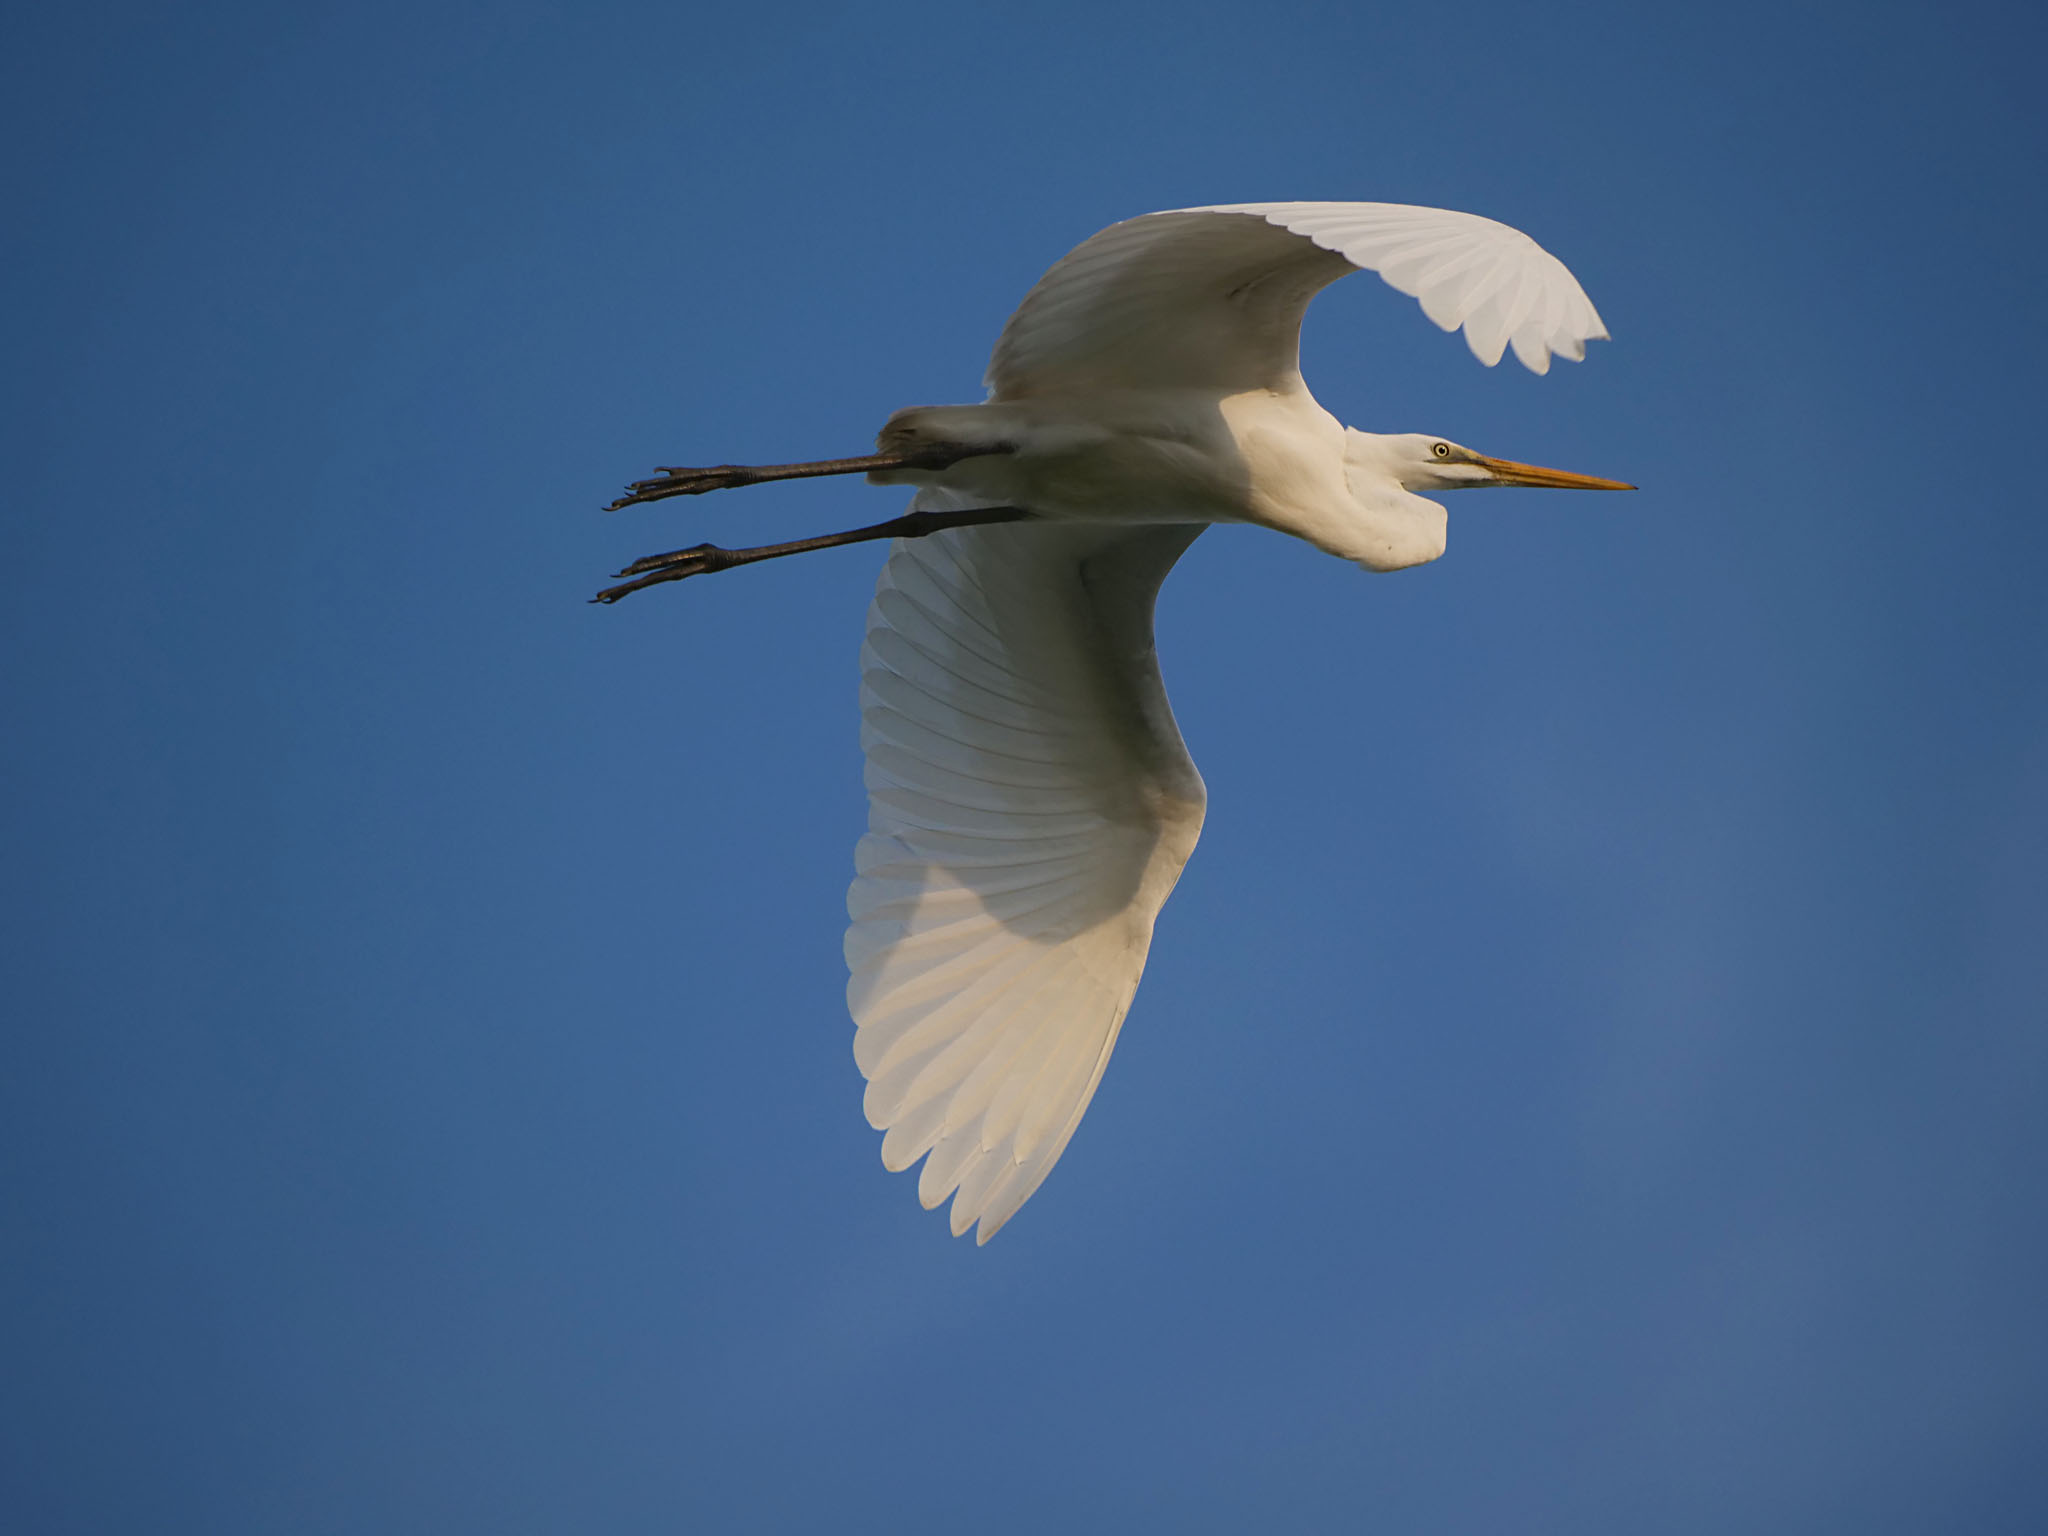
(1031, 804)
(1214, 296)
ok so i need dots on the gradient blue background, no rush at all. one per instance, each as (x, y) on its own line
(1591, 1077)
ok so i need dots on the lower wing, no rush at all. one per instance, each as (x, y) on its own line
(1031, 805)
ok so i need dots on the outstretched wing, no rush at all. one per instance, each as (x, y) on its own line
(1214, 296)
(1031, 804)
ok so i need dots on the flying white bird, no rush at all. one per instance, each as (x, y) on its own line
(1031, 803)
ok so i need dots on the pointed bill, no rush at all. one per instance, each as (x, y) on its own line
(1508, 472)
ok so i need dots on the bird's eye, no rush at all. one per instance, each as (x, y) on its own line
(1442, 450)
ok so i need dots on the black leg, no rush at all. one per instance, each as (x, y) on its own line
(703, 559)
(679, 481)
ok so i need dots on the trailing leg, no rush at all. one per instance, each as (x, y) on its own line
(681, 481)
(703, 559)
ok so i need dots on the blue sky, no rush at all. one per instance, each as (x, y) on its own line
(1590, 1078)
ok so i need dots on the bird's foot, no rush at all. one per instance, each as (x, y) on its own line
(679, 480)
(652, 570)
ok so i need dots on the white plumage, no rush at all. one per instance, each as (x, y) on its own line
(1030, 806)
(1031, 803)
(1199, 297)
(1030, 800)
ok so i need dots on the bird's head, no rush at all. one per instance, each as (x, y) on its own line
(1424, 463)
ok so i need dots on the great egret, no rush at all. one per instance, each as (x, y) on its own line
(1031, 803)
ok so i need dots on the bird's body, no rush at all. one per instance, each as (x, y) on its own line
(1270, 457)
(1031, 802)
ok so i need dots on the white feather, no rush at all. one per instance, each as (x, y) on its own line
(1215, 296)
(1030, 800)
(1031, 806)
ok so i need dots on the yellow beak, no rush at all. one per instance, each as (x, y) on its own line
(1508, 472)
